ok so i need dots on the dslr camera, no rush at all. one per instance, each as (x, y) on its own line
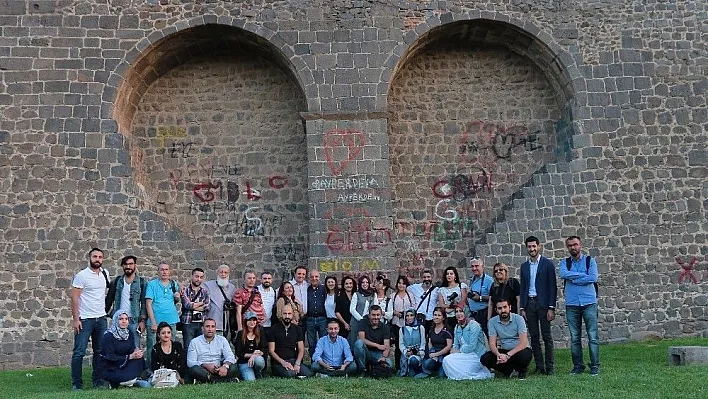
(451, 297)
(229, 306)
(197, 317)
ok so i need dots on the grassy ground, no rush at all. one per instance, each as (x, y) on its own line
(638, 370)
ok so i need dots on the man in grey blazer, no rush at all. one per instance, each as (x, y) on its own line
(538, 303)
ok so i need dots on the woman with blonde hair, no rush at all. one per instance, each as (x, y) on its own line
(504, 287)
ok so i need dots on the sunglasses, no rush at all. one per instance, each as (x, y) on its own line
(499, 271)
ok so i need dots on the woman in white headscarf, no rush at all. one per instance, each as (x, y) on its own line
(468, 347)
(122, 362)
(411, 343)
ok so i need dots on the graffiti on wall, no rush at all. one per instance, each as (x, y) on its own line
(354, 188)
(687, 269)
(352, 229)
(485, 139)
(341, 147)
(348, 265)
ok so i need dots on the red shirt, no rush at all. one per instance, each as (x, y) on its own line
(241, 297)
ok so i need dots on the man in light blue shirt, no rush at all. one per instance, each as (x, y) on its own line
(209, 357)
(579, 273)
(478, 298)
(333, 356)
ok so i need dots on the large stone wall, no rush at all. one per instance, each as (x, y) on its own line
(353, 137)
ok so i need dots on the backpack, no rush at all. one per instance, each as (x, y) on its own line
(110, 295)
(569, 264)
(381, 370)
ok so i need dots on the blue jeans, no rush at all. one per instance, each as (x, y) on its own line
(133, 326)
(575, 316)
(90, 329)
(432, 367)
(150, 338)
(365, 356)
(315, 326)
(249, 373)
(189, 332)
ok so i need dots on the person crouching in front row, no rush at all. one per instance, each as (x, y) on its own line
(209, 357)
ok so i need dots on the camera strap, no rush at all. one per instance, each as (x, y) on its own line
(223, 293)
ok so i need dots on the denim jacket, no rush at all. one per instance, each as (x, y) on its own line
(137, 296)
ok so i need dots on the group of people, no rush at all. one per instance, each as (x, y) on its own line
(358, 326)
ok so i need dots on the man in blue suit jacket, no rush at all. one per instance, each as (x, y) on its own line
(538, 303)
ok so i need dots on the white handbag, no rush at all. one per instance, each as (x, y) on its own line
(164, 378)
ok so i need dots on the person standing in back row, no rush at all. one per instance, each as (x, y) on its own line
(579, 272)
(538, 303)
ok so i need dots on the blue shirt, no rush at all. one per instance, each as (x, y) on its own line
(507, 334)
(533, 270)
(481, 285)
(333, 353)
(316, 297)
(163, 301)
(579, 287)
(470, 339)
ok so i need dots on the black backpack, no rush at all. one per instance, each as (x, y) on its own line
(381, 370)
(569, 264)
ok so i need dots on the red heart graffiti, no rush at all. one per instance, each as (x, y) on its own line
(353, 140)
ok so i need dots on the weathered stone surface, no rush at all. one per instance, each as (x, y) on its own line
(352, 139)
(683, 355)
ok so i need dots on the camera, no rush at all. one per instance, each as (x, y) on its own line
(475, 293)
(197, 317)
(229, 306)
(451, 297)
(414, 349)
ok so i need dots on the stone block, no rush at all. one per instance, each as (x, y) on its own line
(683, 355)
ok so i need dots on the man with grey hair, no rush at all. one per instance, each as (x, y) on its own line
(221, 291)
(161, 297)
(248, 298)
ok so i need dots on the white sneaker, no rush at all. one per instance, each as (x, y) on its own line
(128, 383)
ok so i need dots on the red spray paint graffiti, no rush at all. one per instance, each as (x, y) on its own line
(352, 229)
(687, 269)
(341, 146)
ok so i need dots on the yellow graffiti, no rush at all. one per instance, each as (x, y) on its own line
(166, 132)
(346, 265)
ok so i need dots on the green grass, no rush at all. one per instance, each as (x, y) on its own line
(637, 370)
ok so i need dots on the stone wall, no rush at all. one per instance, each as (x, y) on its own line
(354, 137)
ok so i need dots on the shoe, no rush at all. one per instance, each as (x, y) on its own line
(522, 375)
(76, 388)
(549, 371)
(321, 375)
(539, 371)
(128, 383)
(594, 371)
(514, 374)
(577, 371)
(101, 385)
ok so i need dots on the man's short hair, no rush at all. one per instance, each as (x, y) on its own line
(124, 260)
(333, 321)
(224, 266)
(268, 272)
(249, 271)
(374, 308)
(532, 239)
(301, 267)
(426, 270)
(197, 269)
(570, 238)
(94, 249)
(498, 301)
(207, 319)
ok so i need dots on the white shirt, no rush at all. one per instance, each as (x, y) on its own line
(329, 306)
(430, 302)
(92, 301)
(533, 270)
(125, 299)
(268, 297)
(301, 293)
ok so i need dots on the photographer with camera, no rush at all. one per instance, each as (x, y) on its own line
(411, 343)
(450, 294)
(195, 303)
(425, 296)
(221, 309)
(478, 299)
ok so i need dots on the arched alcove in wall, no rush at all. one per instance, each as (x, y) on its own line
(218, 149)
(475, 109)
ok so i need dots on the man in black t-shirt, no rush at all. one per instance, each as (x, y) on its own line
(374, 343)
(287, 347)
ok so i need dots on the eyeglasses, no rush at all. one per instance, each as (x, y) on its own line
(130, 264)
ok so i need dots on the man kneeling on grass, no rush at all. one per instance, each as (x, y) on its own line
(209, 357)
(286, 346)
(333, 356)
(508, 330)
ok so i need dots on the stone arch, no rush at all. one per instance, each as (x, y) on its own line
(211, 111)
(459, 159)
(164, 49)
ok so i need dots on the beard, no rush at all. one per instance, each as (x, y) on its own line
(265, 284)
(426, 283)
(286, 321)
(128, 272)
(95, 265)
(504, 316)
(222, 282)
